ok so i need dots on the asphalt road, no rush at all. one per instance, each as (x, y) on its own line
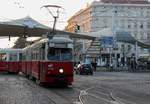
(101, 88)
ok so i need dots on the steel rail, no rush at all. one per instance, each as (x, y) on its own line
(32, 86)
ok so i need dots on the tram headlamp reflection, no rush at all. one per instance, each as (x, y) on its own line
(61, 70)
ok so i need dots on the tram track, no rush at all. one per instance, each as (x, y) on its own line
(35, 88)
(51, 93)
(64, 93)
(101, 93)
(108, 97)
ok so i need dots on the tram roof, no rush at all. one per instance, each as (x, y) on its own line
(55, 39)
(5, 50)
(58, 39)
(32, 28)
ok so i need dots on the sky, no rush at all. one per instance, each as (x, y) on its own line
(15, 9)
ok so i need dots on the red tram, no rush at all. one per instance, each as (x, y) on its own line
(10, 60)
(49, 61)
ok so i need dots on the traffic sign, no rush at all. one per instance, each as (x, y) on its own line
(106, 42)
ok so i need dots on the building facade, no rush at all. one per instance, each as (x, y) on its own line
(132, 16)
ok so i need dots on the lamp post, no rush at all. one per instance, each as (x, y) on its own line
(114, 16)
(136, 43)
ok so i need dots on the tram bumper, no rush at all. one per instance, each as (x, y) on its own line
(60, 79)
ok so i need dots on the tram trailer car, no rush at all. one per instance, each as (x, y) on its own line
(49, 61)
(3, 66)
(10, 60)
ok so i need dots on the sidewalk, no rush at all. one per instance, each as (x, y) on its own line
(107, 69)
(120, 69)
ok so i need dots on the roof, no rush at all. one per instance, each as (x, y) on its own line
(7, 50)
(26, 21)
(20, 27)
(128, 38)
(121, 36)
(126, 1)
(32, 28)
(59, 39)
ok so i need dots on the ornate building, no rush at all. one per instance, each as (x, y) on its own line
(132, 16)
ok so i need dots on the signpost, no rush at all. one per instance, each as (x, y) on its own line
(107, 42)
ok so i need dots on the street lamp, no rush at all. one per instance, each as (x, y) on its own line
(136, 43)
(114, 16)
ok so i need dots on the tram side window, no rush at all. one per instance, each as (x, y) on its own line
(24, 56)
(13, 57)
(28, 55)
(38, 54)
(20, 56)
(41, 54)
(2, 57)
(33, 55)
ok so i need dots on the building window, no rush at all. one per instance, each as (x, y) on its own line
(148, 25)
(122, 23)
(129, 26)
(135, 35)
(135, 25)
(148, 12)
(105, 23)
(148, 36)
(129, 48)
(141, 26)
(142, 35)
(122, 48)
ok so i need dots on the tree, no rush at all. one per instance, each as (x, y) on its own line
(20, 43)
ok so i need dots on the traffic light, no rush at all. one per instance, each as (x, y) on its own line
(78, 27)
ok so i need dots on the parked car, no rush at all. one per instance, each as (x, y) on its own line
(84, 68)
(143, 64)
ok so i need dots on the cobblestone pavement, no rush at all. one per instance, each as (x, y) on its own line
(101, 88)
(19, 90)
(116, 87)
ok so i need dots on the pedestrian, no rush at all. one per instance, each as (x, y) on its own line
(133, 64)
(79, 65)
(111, 67)
(94, 64)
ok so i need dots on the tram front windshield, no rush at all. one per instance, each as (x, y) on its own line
(60, 54)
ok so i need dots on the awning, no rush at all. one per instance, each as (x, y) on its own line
(128, 38)
(31, 28)
(121, 36)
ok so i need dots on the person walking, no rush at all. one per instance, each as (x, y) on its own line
(94, 64)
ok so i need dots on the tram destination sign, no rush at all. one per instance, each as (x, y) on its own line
(60, 45)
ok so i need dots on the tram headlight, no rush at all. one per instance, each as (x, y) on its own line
(61, 70)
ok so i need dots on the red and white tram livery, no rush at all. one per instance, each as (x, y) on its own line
(10, 60)
(49, 60)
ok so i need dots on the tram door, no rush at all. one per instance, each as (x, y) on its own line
(42, 69)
